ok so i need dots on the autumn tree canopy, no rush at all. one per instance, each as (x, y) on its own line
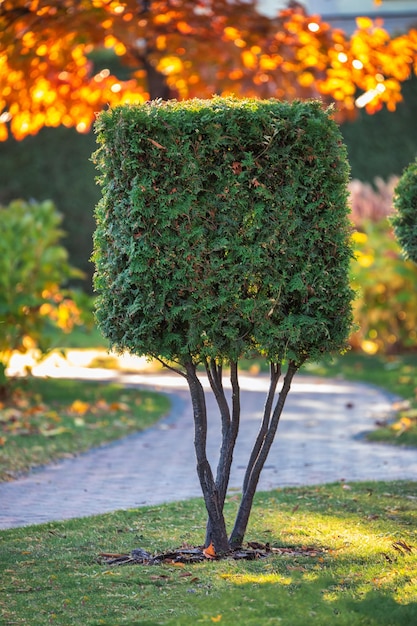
(62, 61)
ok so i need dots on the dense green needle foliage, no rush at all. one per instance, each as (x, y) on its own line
(223, 232)
(405, 203)
(222, 229)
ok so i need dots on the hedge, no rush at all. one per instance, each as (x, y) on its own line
(223, 229)
(405, 218)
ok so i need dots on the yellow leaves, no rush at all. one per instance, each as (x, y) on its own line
(267, 62)
(184, 28)
(110, 41)
(306, 79)
(4, 133)
(42, 50)
(370, 347)
(364, 23)
(119, 406)
(163, 18)
(161, 42)
(402, 425)
(116, 7)
(28, 342)
(359, 237)
(29, 39)
(231, 33)
(249, 59)
(170, 65)
(299, 57)
(365, 260)
(79, 407)
(236, 74)
(217, 618)
(25, 415)
(407, 421)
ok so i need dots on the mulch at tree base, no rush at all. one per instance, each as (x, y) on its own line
(252, 551)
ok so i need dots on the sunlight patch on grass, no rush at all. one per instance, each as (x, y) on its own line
(356, 577)
(259, 579)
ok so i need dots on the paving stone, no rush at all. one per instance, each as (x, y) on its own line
(319, 440)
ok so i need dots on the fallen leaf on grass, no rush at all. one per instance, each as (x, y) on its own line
(402, 547)
(53, 432)
(210, 552)
(119, 406)
(79, 407)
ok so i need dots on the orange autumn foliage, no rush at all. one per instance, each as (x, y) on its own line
(50, 75)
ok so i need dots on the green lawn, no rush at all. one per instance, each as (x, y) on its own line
(47, 419)
(397, 374)
(361, 568)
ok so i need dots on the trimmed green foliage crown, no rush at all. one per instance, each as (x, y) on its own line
(405, 218)
(223, 229)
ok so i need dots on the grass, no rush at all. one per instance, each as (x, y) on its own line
(364, 570)
(397, 374)
(47, 419)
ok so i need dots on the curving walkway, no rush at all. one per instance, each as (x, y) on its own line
(319, 440)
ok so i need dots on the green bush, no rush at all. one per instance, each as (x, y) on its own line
(222, 230)
(385, 309)
(405, 218)
(33, 266)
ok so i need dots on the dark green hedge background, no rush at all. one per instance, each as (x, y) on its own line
(56, 165)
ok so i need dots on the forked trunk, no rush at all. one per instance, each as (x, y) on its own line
(213, 499)
(260, 451)
(214, 491)
(230, 428)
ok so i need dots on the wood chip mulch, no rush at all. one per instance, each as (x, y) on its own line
(251, 551)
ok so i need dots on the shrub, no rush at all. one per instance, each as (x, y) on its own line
(405, 218)
(33, 266)
(223, 230)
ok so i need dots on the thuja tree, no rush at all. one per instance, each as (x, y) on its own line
(405, 218)
(222, 232)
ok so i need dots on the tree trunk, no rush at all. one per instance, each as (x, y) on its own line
(213, 499)
(260, 451)
(157, 85)
(214, 491)
(230, 427)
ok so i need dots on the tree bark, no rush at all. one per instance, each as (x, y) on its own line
(230, 427)
(213, 500)
(260, 452)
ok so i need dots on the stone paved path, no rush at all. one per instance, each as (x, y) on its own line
(319, 440)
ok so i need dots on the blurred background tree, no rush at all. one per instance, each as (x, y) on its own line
(64, 60)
